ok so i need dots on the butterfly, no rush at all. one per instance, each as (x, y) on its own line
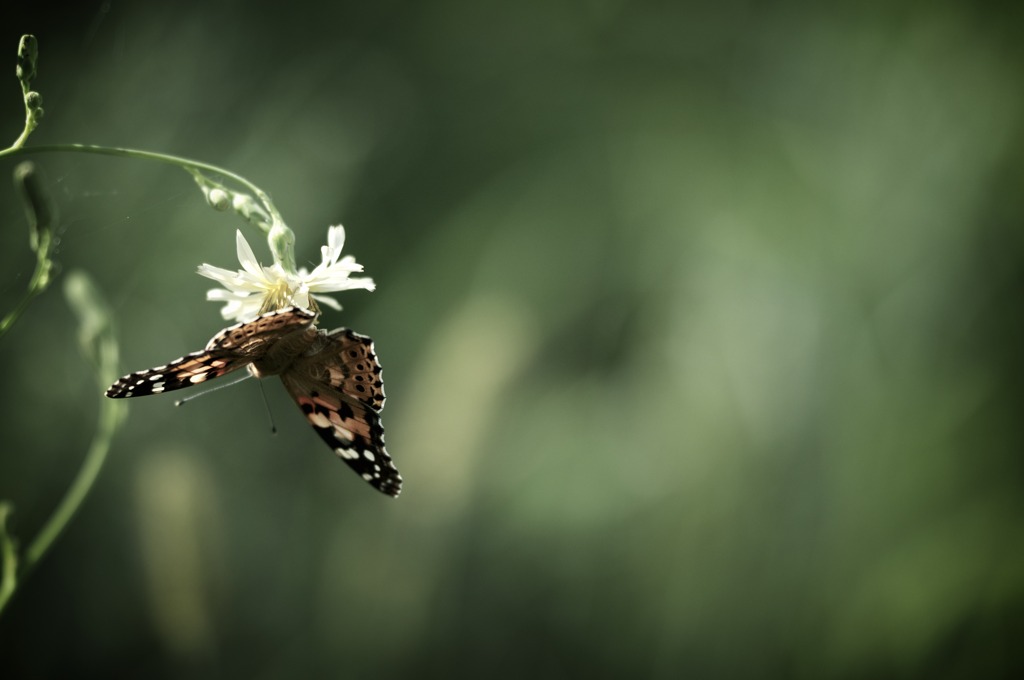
(334, 377)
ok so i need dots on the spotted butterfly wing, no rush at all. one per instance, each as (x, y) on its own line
(334, 377)
(234, 347)
(337, 384)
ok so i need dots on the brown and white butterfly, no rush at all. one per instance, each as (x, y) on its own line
(334, 377)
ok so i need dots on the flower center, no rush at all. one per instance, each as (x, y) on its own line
(279, 295)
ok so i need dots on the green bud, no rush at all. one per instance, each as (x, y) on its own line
(34, 104)
(243, 203)
(281, 240)
(218, 199)
(246, 206)
(28, 52)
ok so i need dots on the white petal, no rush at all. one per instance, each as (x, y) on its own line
(338, 271)
(242, 310)
(347, 264)
(255, 283)
(245, 255)
(327, 301)
(230, 310)
(336, 240)
(224, 276)
(364, 282)
(219, 294)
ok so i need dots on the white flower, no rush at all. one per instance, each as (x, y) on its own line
(256, 289)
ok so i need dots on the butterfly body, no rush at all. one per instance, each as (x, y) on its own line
(283, 353)
(333, 376)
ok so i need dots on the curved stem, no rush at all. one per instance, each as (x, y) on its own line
(97, 338)
(8, 558)
(20, 141)
(37, 284)
(109, 418)
(186, 163)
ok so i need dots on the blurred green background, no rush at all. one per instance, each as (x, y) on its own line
(700, 326)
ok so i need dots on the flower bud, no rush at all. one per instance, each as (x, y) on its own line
(246, 206)
(28, 52)
(281, 240)
(218, 199)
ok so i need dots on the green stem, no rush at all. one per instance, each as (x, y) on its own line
(37, 284)
(97, 339)
(8, 558)
(186, 163)
(22, 305)
(22, 138)
(30, 118)
(13, 573)
(109, 418)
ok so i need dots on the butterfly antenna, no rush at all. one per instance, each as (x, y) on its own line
(270, 414)
(190, 397)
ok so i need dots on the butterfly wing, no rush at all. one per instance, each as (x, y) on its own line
(252, 338)
(338, 386)
(233, 348)
(189, 370)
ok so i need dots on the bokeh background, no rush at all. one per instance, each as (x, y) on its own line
(700, 325)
